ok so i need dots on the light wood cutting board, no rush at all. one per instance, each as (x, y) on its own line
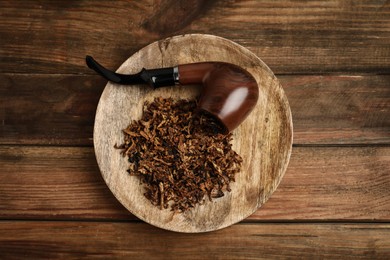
(264, 139)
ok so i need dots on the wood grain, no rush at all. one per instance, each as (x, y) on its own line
(60, 109)
(56, 182)
(321, 183)
(48, 109)
(264, 139)
(298, 37)
(243, 241)
(173, 15)
(339, 109)
(336, 57)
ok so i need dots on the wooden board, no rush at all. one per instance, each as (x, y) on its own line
(332, 59)
(58, 183)
(264, 139)
(79, 240)
(291, 37)
(328, 109)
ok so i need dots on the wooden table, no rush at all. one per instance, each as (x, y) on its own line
(333, 60)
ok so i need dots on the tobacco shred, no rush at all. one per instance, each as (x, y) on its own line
(180, 156)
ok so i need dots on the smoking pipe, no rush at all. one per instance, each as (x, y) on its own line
(228, 93)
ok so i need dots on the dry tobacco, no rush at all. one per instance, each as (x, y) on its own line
(180, 156)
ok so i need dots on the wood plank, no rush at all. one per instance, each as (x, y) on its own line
(339, 109)
(60, 109)
(298, 37)
(332, 183)
(321, 183)
(48, 109)
(60, 182)
(19, 239)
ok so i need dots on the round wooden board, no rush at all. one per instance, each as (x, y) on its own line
(264, 139)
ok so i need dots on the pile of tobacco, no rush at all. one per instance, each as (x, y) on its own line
(180, 156)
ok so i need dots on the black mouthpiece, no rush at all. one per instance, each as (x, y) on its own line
(154, 77)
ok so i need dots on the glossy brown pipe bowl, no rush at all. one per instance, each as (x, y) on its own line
(229, 93)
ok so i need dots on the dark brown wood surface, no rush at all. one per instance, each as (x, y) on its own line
(64, 182)
(245, 241)
(332, 59)
(327, 110)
